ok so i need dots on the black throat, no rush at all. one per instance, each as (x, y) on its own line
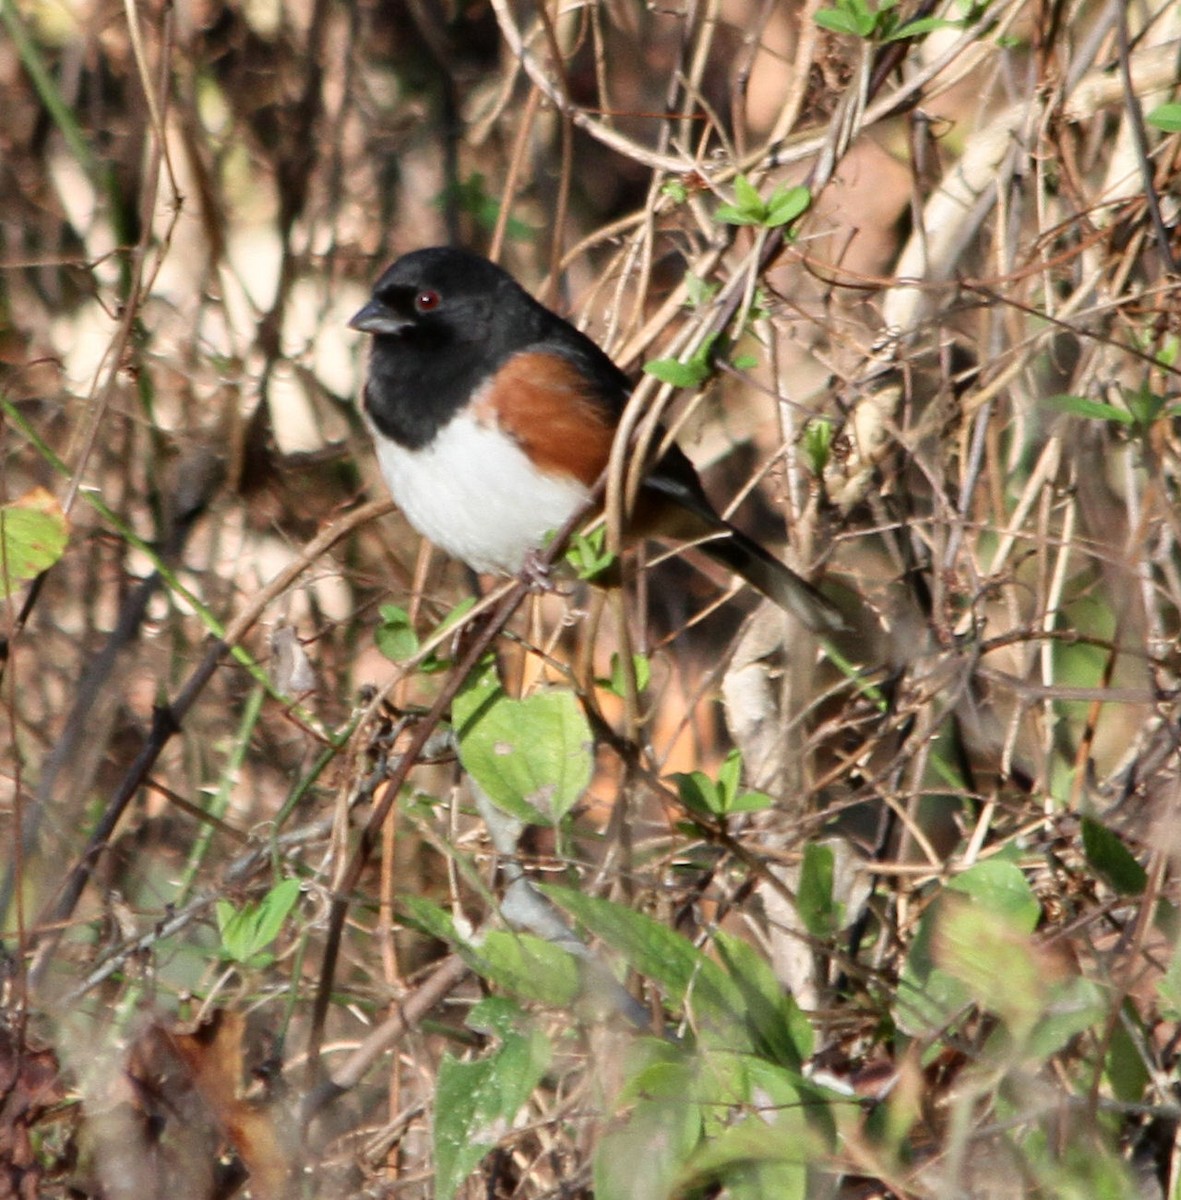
(417, 384)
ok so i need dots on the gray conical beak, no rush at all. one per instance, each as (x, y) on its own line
(377, 317)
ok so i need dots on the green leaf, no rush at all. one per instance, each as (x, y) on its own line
(529, 967)
(532, 757)
(747, 195)
(247, 931)
(398, 640)
(757, 1157)
(836, 20)
(34, 532)
(1166, 117)
(745, 362)
(972, 947)
(853, 17)
(783, 1032)
(1143, 403)
(819, 911)
(473, 1100)
(1072, 1007)
(1124, 1065)
(692, 979)
(748, 208)
(1112, 861)
(395, 636)
(920, 28)
(643, 1157)
(999, 886)
(701, 795)
(432, 919)
(616, 684)
(786, 204)
(817, 444)
(698, 793)
(1168, 988)
(1080, 406)
(588, 555)
(680, 374)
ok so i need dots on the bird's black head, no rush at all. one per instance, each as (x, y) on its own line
(443, 320)
(446, 297)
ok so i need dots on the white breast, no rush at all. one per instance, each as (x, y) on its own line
(475, 494)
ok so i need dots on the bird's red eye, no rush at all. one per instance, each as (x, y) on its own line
(427, 300)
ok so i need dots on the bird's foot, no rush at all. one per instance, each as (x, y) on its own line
(538, 574)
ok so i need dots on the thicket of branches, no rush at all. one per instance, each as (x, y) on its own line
(304, 897)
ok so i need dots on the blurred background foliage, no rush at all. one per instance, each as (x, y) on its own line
(891, 917)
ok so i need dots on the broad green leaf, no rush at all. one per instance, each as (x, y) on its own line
(715, 800)
(767, 1154)
(1112, 860)
(1143, 403)
(431, 918)
(530, 968)
(641, 1159)
(1000, 887)
(920, 28)
(691, 979)
(395, 636)
(699, 291)
(1124, 1065)
(34, 532)
(836, 20)
(1074, 1006)
(1166, 117)
(1080, 406)
(532, 757)
(782, 1030)
(697, 792)
(819, 911)
(993, 960)
(972, 935)
(817, 444)
(476, 1101)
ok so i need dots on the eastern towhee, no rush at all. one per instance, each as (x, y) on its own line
(493, 419)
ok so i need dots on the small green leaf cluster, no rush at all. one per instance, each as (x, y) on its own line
(1141, 409)
(717, 799)
(882, 23)
(749, 208)
(398, 640)
(690, 373)
(817, 444)
(588, 556)
(247, 931)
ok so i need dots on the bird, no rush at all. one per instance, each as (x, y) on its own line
(493, 418)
